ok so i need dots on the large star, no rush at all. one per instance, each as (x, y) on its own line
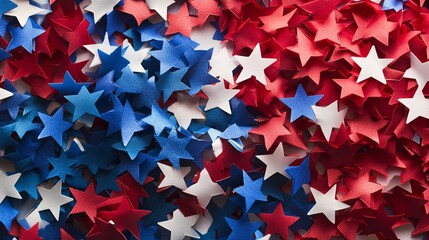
(204, 189)
(223, 65)
(219, 96)
(326, 203)
(55, 126)
(329, 117)
(84, 102)
(251, 190)
(418, 106)
(23, 36)
(101, 8)
(372, 66)
(305, 47)
(277, 222)
(86, 201)
(254, 65)
(52, 199)
(301, 104)
(180, 226)
(23, 11)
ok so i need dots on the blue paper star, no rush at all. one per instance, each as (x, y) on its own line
(136, 144)
(159, 119)
(396, 5)
(106, 180)
(28, 183)
(8, 214)
(300, 105)
(23, 36)
(105, 84)
(251, 190)
(198, 75)
(159, 208)
(62, 167)
(150, 95)
(300, 174)
(131, 82)
(243, 228)
(54, 126)
(170, 82)
(169, 57)
(25, 124)
(12, 103)
(5, 139)
(138, 167)
(129, 124)
(114, 116)
(68, 86)
(149, 31)
(173, 148)
(92, 158)
(84, 102)
(3, 54)
(113, 62)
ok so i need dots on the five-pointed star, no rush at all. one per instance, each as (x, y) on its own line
(329, 117)
(185, 109)
(180, 226)
(223, 64)
(254, 65)
(101, 8)
(418, 106)
(160, 6)
(219, 96)
(135, 57)
(372, 66)
(8, 186)
(104, 47)
(300, 105)
(84, 102)
(276, 162)
(326, 203)
(23, 11)
(173, 176)
(204, 189)
(52, 199)
(54, 126)
(418, 71)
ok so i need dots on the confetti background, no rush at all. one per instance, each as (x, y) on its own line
(214, 119)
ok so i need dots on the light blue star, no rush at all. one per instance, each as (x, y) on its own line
(68, 86)
(129, 124)
(393, 4)
(300, 105)
(170, 82)
(23, 36)
(84, 102)
(251, 190)
(25, 124)
(169, 57)
(54, 126)
(159, 119)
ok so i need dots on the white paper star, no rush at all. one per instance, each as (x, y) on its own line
(418, 71)
(329, 117)
(393, 180)
(204, 189)
(254, 65)
(185, 109)
(204, 37)
(180, 226)
(219, 97)
(204, 223)
(23, 11)
(223, 64)
(8, 186)
(276, 162)
(5, 94)
(326, 203)
(101, 8)
(372, 66)
(418, 106)
(135, 57)
(104, 47)
(52, 199)
(160, 6)
(173, 176)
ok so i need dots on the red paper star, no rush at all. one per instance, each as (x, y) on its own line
(272, 130)
(360, 188)
(181, 22)
(86, 201)
(138, 9)
(277, 222)
(368, 28)
(381, 224)
(205, 8)
(304, 47)
(364, 125)
(104, 230)
(78, 37)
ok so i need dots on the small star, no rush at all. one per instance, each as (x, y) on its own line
(300, 105)
(219, 96)
(84, 102)
(54, 126)
(329, 117)
(372, 66)
(52, 199)
(204, 189)
(180, 226)
(251, 190)
(173, 177)
(8, 186)
(276, 162)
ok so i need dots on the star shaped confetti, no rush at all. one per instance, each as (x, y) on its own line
(372, 66)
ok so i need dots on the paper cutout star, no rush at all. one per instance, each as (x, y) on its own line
(101, 8)
(8, 214)
(204, 189)
(62, 166)
(417, 106)
(23, 11)
(8, 186)
(277, 222)
(223, 65)
(418, 71)
(272, 130)
(305, 48)
(251, 190)
(171, 82)
(25, 124)
(112, 62)
(138, 9)
(367, 28)
(104, 47)
(159, 119)
(129, 124)
(69, 86)
(329, 117)
(300, 174)
(173, 148)
(6, 6)
(135, 57)
(180, 226)
(186, 109)
(254, 65)
(160, 6)
(173, 177)
(54, 126)
(372, 66)
(326, 203)
(24, 36)
(219, 96)
(84, 102)
(242, 228)
(301, 104)
(276, 162)
(169, 56)
(86, 201)
(52, 199)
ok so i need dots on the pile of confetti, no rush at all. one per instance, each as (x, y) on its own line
(214, 119)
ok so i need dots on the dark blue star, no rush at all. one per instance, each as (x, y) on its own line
(25, 124)
(300, 174)
(198, 75)
(251, 190)
(129, 124)
(23, 36)
(5, 139)
(105, 84)
(62, 167)
(174, 148)
(84, 102)
(156, 204)
(106, 180)
(242, 229)
(113, 62)
(149, 31)
(68, 86)
(54, 126)
(131, 82)
(300, 105)
(149, 96)
(92, 158)
(8, 214)
(139, 167)
(170, 82)
(12, 103)
(4, 55)
(114, 116)
(169, 57)
(28, 183)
